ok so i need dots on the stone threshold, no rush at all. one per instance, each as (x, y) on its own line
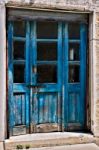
(49, 139)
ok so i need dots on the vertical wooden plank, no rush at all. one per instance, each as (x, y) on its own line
(23, 97)
(65, 75)
(56, 115)
(78, 107)
(46, 108)
(53, 107)
(72, 107)
(60, 63)
(33, 80)
(27, 73)
(59, 55)
(83, 43)
(41, 101)
(35, 111)
(18, 111)
(33, 54)
(10, 78)
(50, 106)
(27, 53)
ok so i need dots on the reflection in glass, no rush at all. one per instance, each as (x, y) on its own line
(74, 31)
(18, 51)
(74, 73)
(19, 28)
(47, 51)
(18, 73)
(47, 29)
(74, 50)
(46, 74)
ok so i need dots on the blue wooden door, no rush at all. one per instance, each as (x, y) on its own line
(58, 76)
(74, 76)
(47, 76)
(18, 77)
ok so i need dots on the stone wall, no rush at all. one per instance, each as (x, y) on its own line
(2, 73)
(53, 2)
(96, 98)
(81, 5)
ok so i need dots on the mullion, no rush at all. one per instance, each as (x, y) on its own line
(19, 38)
(19, 62)
(47, 62)
(74, 62)
(47, 40)
(74, 41)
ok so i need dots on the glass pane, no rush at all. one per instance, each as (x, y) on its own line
(74, 31)
(47, 51)
(47, 29)
(46, 74)
(19, 28)
(74, 73)
(74, 51)
(19, 48)
(18, 73)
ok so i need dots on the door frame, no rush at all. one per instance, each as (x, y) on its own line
(10, 53)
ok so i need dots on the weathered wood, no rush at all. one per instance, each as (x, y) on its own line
(17, 130)
(14, 14)
(74, 127)
(53, 105)
(48, 127)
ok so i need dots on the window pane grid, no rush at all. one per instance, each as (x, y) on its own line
(47, 30)
(19, 73)
(19, 29)
(19, 52)
(46, 73)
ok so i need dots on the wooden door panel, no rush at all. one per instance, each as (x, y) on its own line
(73, 107)
(19, 109)
(47, 106)
(19, 113)
(74, 112)
(45, 111)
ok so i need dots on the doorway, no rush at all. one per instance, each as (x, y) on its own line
(47, 76)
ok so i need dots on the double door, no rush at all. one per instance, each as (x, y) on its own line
(47, 76)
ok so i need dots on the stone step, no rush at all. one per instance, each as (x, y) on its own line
(47, 140)
(90, 146)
